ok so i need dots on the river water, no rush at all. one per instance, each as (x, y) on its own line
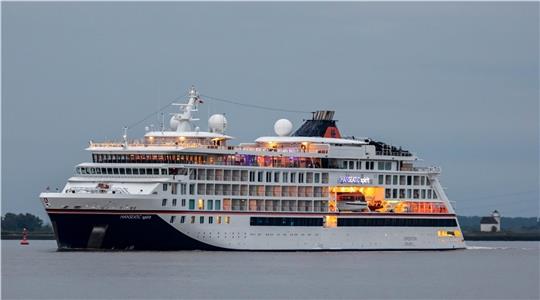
(504, 270)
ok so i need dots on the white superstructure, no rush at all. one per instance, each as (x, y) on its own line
(308, 190)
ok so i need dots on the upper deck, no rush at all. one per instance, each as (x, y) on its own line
(316, 138)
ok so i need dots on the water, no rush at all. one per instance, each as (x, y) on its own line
(508, 270)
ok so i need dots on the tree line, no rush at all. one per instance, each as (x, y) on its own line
(17, 222)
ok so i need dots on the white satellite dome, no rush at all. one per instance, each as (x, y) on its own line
(174, 123)
(283, 127)
(217, 123)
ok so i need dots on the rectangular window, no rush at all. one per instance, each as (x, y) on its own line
(293, 177)
(164, 202)
(183, 202)
(423, 180)
(285, 176)
(388, 179)
(210, 220)
(396, 222)
(173, 202)
(172, 219)
(395, 180)
(122, 171)
(317, 177)
(182, 219)
(115, 171)
(135, 171)
(201, 219)
(276, 176)
(287, 221)
(164, 187)
(359, 164)
(380, 165)
(128, 171)
(409, 180)
(192, 219)
(218, 220)
(209, 204)
(394, 193)
(191, 203)
(381, 179)
(251, 176)
(227, 220)
(268, 176)
(387, 193)
(429, 194)
(217, 205)
(200, 204)
(260, 176)
(300, 177)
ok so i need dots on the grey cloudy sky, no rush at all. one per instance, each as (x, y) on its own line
(457, 83)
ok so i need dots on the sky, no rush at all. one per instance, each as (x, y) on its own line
(455, 83)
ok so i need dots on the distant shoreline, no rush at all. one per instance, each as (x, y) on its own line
(502, 236)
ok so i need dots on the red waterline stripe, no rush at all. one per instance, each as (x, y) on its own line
(191, 212)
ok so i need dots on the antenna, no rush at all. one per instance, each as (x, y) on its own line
(124, 136)
(162, 122)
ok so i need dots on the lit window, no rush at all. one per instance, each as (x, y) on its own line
(218, 220)
(200, 204)
(227, 220)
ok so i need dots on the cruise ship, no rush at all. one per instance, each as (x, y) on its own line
(309, 189)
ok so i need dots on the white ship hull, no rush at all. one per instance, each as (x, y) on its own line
(152, 229)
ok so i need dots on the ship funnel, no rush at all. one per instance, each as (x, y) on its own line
(327, 115)
(322, 124)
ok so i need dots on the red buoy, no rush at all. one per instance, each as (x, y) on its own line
(24, 240)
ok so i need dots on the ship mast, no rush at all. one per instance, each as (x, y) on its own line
(184, 118)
